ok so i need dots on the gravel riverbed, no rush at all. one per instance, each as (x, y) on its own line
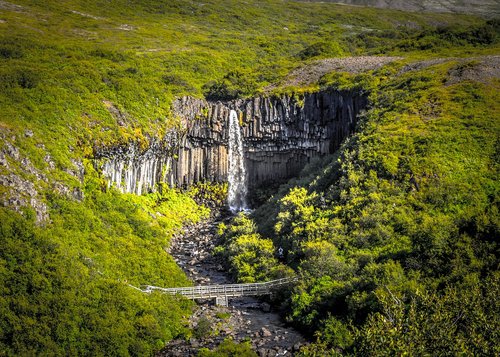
(245, 318)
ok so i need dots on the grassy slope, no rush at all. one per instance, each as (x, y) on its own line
(62, 284)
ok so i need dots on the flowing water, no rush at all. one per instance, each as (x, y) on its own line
(237, 185)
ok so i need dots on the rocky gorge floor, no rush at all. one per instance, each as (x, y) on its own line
(245, 319)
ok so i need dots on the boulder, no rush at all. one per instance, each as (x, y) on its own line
(264, 332)
(265, 307)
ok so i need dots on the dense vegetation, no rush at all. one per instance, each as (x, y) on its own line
(71, 287)
(402, 221)
(395, 237)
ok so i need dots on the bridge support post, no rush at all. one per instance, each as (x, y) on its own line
(221, 301)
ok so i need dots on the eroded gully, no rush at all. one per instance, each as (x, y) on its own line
(245, 318)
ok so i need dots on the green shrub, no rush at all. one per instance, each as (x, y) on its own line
(229, 348)
(25, 78)
(321, 49)
(234, 84)
(203, 329)
(461, 319)
(57, 297)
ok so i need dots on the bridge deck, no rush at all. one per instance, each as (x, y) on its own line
(221, 291)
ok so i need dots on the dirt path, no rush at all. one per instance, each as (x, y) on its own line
(245, 318)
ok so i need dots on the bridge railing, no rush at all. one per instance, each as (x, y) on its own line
(226, 290)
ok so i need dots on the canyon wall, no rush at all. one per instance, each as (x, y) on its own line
(280, 135)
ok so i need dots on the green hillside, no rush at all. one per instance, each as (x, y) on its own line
(404, 217)
(395, 237)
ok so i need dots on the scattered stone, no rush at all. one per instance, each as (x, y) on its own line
(3, 160)
(246, 318)
(265, 307)
(264, 352)
(264, 332)
(61, 189)
(12, 151)
(49, 161)
(126, 27)
(23, 192)
(77, 171)
(28, 133)
(479, 69)
(4, 5)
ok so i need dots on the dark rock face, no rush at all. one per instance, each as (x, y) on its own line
(281, 135)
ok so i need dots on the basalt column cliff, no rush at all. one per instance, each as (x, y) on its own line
(280, 136)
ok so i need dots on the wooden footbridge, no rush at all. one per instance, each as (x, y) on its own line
(221, 293)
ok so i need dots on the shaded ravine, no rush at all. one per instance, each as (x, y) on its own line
(245, 318)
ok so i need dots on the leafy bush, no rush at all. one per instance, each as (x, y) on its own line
(108, 54)
(460, 320)
(321, 49)
(212, 194)
(203, 329)
(70, 303)
(250, 257)
(25, 78)
(234, 84)
(229, 348)
(7, 51)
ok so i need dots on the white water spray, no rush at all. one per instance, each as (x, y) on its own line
(237, 189)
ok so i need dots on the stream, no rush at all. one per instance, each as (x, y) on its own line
(246, 318)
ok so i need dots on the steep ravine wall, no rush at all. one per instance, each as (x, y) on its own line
(281, 135)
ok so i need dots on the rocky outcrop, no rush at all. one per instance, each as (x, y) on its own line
(23, 183)
(280, 134)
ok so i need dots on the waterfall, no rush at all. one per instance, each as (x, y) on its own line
(237, 189)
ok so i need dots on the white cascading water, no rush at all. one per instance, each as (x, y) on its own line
(237, 189)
